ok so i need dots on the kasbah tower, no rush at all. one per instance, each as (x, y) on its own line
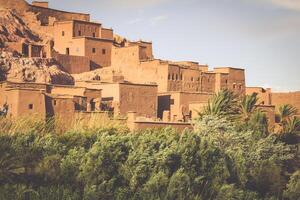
(111, 75)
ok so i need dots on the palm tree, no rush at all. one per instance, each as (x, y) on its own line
(292, 125)
(285, 116)
(223, 103)
(248, 106)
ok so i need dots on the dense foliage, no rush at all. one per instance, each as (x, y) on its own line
(225, 157)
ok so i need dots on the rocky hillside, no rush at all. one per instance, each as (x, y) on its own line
(13, 29)
(17, 69)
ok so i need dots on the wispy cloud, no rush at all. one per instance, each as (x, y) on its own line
(158, 19)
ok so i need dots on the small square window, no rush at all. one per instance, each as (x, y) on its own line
(94, 50)
(30, 106)
(103, 51)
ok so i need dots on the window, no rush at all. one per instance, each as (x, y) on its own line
(94, 50)
(173, 77)
(94, 34)
(30, 106)
(176, 77)
(169, 76)
(103, 51)
(54, 102)
(192, 78)
(234, 86)
(79, 33)
(226, 81)
(68, 51)
(180, 76)
(63, 33)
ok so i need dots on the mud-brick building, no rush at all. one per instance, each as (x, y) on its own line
(123, 97)
(25, 99)
(83, 41)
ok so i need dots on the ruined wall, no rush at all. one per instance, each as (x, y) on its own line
(292, 98)
(73, 64)
(45, 13)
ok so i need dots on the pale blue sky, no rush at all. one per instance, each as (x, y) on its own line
(261, 36)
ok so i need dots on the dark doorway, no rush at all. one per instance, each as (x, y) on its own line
(25, 50)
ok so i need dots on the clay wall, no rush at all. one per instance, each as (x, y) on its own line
(270, 113)
(208, 82)
(221, 82)
(141, 99)
(63, 34)
(125, 58)
(236, 79)
(264, 95)
(99, 51)
(195, 108)
(73, 64)
(107, 34)
(45, 13)
(179, 104)
(191, 80)
(127, 97)
(292, 98)
(144, 125)
(26, 102)
(174, 78)
(62, 108)
(87, 29)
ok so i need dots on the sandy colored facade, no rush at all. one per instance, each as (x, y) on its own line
(130, 81)
(292, 98)
(27, 99)
(86, 40)
(175, 106)
(123, 97)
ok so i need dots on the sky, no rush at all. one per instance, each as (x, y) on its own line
(262, 36)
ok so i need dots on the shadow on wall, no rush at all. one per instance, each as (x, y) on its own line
(94, 65)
